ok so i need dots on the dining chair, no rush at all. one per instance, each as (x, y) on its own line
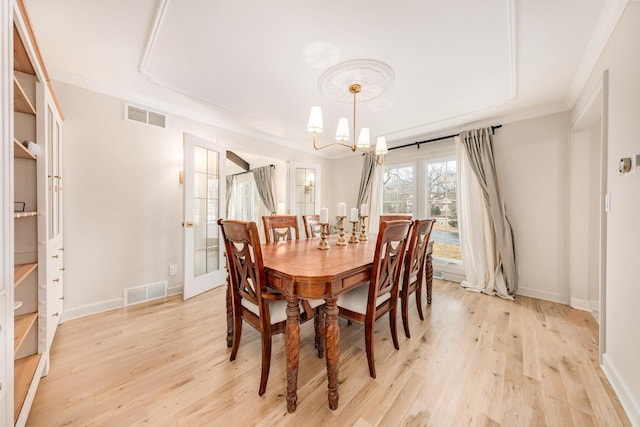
(280, 227)
(414, 269)
(252, 301)
(312, 226)
(395, 217)
(368, 302)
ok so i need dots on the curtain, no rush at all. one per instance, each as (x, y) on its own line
(375, 202)
(231, 193)
(487, 237)
(369, 167)
(264, 177)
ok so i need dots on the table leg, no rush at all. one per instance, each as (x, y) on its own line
(229, 316)
(332, 350)
(292, 338)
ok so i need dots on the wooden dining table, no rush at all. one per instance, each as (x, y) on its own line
(299, 270)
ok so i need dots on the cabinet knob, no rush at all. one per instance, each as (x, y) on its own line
(61, 268)
(61, 298)
(55, 314)
(56, 280)
(55, 256)
(61, 249)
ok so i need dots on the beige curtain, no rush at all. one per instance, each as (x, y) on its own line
(264, 177)
(486, 233)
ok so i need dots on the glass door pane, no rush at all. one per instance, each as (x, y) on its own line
(206, 182)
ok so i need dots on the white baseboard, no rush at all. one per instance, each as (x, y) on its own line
(174, 290)
(581, 304)
(631, 407)
(548, 296)
(94, 308)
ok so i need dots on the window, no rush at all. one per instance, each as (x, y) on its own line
(397, 190)
(427, 189)
(247, 200)
(441, 204)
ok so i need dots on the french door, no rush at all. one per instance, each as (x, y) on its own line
(204, 183)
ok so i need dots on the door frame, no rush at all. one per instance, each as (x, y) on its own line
(599, 98)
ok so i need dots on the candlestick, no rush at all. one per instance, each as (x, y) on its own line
(363, 229)
(354, 230)
(341, 240)
(364, 210)
(354, 215)
(342, 209)
(323, 245)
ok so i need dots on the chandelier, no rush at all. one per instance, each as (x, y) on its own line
(375, 77)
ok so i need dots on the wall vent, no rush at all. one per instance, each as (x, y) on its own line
(437, 274)
(145, 293)
(142, 115)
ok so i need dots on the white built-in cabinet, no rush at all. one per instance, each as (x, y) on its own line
(36, 293)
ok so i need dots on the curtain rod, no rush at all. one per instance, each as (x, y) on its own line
(250, 170)
(417, 143)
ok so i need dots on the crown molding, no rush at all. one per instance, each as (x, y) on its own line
(611, 13)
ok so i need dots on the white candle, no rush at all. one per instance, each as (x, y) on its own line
(354, 215)
(324, 216)
(342, 209)
(364, 209)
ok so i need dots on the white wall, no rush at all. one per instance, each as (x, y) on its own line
(622, 357)
(123, 201)
(531, 159)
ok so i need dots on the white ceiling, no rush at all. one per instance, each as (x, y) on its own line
(256, 64)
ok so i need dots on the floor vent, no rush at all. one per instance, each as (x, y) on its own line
(145, 293)
(142, 115)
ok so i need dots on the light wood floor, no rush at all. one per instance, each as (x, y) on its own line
(474, 360)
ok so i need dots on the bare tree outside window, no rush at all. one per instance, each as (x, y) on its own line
(397, 190)
(441, 187)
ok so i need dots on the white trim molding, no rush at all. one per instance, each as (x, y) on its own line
(611, 13)
(631, 407)
(544, 295)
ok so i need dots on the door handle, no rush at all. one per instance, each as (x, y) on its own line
(187, 224)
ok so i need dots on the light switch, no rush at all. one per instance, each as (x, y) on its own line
(173, 269)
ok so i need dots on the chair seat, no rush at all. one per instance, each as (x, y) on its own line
(356, 299)
(277, 309)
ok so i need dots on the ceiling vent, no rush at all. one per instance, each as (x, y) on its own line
(142, 115)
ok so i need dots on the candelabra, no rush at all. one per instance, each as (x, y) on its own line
(341, 240)
(354, 231)
(323, 237)
(363, 229)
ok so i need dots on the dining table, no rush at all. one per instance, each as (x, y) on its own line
(299, 270)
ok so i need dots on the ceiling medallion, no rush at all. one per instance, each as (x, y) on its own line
(374, 77)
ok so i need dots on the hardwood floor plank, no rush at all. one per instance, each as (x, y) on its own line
(475, 360)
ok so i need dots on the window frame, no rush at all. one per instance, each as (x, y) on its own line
(414, 184)
(452, 268)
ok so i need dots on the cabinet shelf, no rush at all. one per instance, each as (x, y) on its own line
(18, 215)
(22, 325)
(21, 103)
(21, 271)
(21, 152)
(24, 370)
(21, 61)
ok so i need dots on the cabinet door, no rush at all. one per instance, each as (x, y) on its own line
(53, 137)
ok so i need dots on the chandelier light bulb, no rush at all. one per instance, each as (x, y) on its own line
(342, 132)
(364, 140)
(315, 120)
